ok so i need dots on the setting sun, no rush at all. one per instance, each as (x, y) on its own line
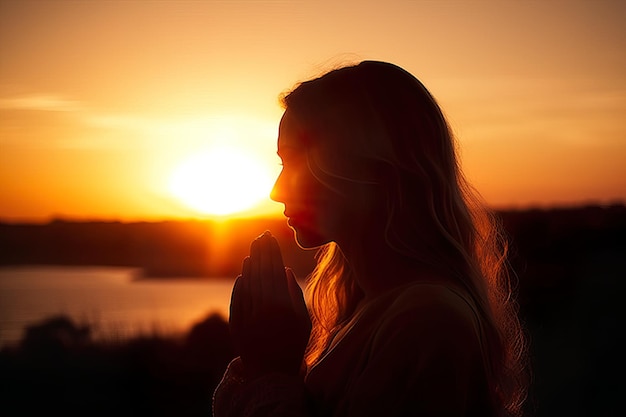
(103, 104)
(221, 181)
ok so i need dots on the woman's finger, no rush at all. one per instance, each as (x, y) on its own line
(237, 315)
(248, 303)
(279, 281)
(245, 267)
(256, 273)
(268, 279)
(235, 306)
(265, 261)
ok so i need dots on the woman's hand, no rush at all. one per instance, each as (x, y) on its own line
(269, 321)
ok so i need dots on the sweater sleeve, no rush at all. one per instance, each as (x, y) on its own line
(425, 360)
(272, 395)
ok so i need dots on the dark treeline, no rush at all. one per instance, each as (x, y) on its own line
(539, 239)
(568, 265)
(162, 249)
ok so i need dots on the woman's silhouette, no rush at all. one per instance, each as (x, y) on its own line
(409, 308)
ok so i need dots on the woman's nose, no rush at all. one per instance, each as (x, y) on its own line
(276, 193)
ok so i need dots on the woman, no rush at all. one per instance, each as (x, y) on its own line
(409, 309)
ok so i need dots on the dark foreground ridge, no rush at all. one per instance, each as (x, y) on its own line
(57, 369)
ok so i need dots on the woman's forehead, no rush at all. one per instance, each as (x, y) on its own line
(291, 133)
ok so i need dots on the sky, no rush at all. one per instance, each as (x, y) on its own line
(101, 102)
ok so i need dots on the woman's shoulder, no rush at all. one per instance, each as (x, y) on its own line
(432, 308)
(425, 295)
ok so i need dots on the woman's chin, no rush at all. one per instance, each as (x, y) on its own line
(308, 239)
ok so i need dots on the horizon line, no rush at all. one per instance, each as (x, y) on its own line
(618, 203)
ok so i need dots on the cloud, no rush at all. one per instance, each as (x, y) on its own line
(194, 131)
(40, 102)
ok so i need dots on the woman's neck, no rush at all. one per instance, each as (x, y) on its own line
(378, 268)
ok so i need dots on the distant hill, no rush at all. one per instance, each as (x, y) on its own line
(162, 249)
(544, 243)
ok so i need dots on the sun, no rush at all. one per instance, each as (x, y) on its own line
(221, 181)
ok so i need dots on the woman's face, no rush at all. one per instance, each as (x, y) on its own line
(317, 213)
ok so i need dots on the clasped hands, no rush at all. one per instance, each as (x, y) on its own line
(269, 321)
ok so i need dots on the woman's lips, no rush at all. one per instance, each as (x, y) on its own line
(296, 217)
(292, 216)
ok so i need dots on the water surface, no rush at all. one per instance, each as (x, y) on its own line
(111, 300)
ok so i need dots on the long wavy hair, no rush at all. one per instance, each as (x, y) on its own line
(378, 116)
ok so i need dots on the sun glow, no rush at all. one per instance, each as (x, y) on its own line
(221, 181)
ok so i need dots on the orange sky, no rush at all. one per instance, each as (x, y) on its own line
(101, 101)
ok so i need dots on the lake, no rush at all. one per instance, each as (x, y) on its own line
(111, 300)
